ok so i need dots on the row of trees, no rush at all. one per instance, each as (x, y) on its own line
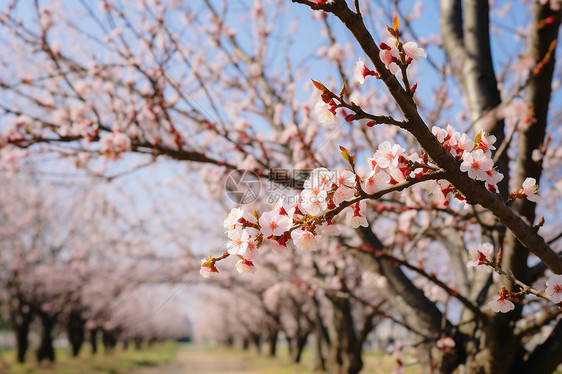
(60, 274)
(220, 87)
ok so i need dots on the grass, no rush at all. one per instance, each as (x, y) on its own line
(120, 361)
(373, 362)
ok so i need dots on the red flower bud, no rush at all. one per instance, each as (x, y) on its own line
(350, 117)
(383, 46)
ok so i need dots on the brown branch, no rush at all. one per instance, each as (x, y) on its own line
(438, 282)
(475, 192)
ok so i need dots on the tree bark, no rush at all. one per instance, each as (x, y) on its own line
(138, 343)
(76, 332)
(300, 343)
(46, 350)
(109, 341)
(22, 338)
(345, 353)
(20, 317)
(272, 341)
(94, 340)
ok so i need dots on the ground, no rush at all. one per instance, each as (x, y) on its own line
(215, 360)
(171, 358)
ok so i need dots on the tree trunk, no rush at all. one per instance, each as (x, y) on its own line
(300, 343)
(345, 354)
(109, 341)
(75, 332)
(46, 350)
(20, 318)
(94, 340)
(138, 343)
(22, 340)
(321, 339)
(256, 340)
(272, 342)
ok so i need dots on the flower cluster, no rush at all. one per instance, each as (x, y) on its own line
(328, 195)
(476, 155)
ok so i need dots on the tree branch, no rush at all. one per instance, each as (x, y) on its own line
(475, 192)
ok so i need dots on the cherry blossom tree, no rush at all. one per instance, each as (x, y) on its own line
(150, 81)
(53, 275)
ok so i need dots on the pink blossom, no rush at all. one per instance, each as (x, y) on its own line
(232, 218)
(272, 223)
(439, 133)
(530, 190)
(388, 59)
(361, 72)
(486, 143)
(326, 114)
(387, 155)
(355, 216)
(238, 242)
(501, 304)
(413, 51)
(554, 288)
(328, 228)
(376, 181)
(494, 177)
(276, 247)
(304, 239)
(480, 255)
(245, 266)
(464, 144)
(314, 202)
(320, 178)
(343, 193)
(346, 178)
(476, 164)
(208, 269)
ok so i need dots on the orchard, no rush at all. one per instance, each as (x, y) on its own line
(316, 173)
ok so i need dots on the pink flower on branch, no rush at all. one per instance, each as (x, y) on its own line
(388, 155)
(361, 72)
(274, 224)
(530, 190)
(413, 51)
(554, 288)
(245, 266)
(477, 164)
(501, 304)
(480, 255)
(208, 269)
(304, 239)
(238, 242)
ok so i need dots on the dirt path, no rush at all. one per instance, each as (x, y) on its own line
(197, 359)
